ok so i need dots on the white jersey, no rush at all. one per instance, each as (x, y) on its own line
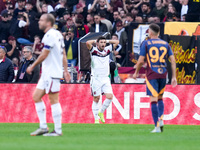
(100, 61)
(53, 65)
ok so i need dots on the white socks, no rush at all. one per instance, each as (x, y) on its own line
(95, 109)
(57, 117)
(105, 105)
(41, 112)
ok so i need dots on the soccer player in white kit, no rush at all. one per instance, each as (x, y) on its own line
(100, 69)
(53, 60)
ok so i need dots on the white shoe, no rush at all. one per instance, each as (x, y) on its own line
(161, 124)
(156, 130)
(53, 133)
(40, 131)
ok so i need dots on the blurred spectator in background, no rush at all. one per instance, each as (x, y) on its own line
(12, 48)
(113, 56)
(11, 10)
(154, 19)
(98, 26)
(184, 8)
(100, 5)
(129, 19)
(122, 14)
(20, 9)
(6, 67)
(122, 36)
(116, 4)
(170, 13)
(82, 9)
(4, 27)
(116, 18)
(171, 17)
(66, 15)
(145, 11)
(71, 47)
(193, 14)
(106, 21)
(184, 18)
(43, 7)
(7, 5)
(69, 24)
(61, 8)
(159, 10)
(90, 20)
(81, 28)
(37, 46)
(134, 12)
(18, 27)
(28, 59)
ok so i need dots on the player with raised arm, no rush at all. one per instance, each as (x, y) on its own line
(100, 69)
(53, 60)
(156, 52)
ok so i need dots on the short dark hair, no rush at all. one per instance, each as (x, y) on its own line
(145, 3)
(101, 38)
(154, 27)
(116, 11)
(102, 14)
(115, 35)
(37, 36)
(50, 18)
(130, 15)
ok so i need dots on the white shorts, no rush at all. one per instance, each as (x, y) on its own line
(100, 85)
(48, 84)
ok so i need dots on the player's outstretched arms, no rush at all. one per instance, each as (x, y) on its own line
(173, 66)
(40, 59)
(89, 44)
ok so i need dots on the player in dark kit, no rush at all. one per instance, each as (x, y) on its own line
(156, 52)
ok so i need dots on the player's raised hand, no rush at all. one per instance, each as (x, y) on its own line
(29, 69)
(67, 76)
(174, 82)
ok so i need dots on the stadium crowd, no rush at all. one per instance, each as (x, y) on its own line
(75, 18)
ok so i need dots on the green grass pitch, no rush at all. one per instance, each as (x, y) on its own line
(16, 136)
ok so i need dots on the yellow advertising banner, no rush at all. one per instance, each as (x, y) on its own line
(182, 28)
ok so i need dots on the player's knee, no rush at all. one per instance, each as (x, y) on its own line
(109, 96)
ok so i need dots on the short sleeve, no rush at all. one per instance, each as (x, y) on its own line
(143, 49)
(48, 41)
(169, 51)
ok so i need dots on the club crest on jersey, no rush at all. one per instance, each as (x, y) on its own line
(160, 70)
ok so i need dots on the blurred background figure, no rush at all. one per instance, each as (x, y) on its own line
(71, 47)
(37, 46)
(6, 67)
(28, 59)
